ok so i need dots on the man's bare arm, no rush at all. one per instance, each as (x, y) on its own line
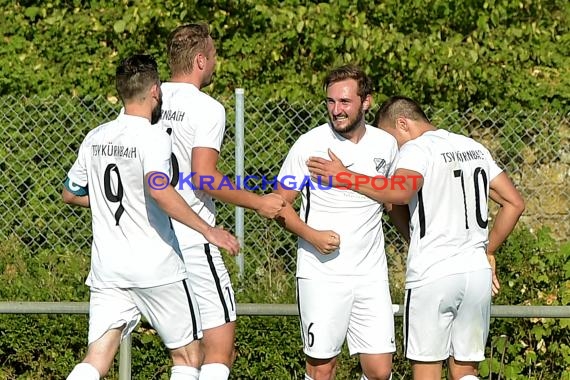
(324, 241)
(176, 207)
(204, 164)
(398, 189)
(511, 208)
(75, 200)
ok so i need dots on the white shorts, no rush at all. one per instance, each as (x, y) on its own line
(449, 317)
(331, 311)
(211, 284)
(171, 310)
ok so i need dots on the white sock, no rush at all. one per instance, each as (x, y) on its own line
(307, 377)
(469, 377)
(214, 371)
(84, 371)
(182, 372)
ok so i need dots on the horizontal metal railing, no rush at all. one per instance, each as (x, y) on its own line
(256, 309)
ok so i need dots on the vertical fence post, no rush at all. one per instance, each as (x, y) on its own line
(125, 359)
(239, 124)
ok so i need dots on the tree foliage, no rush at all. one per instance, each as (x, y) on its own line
(454, 55)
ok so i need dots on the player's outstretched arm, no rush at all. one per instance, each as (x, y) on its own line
(398, 189)
(512, 206)
(204, 164)
(176, 207)
(324, 241)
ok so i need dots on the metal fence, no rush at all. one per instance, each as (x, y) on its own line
(41, 138)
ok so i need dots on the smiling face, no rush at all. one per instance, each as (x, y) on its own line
(345, 108)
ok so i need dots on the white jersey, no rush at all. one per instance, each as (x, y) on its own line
(133, 242)
(193, 119)
(449, 213)
(355, 217)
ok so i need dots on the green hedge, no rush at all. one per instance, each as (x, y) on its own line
(533, 268)
(453, 55)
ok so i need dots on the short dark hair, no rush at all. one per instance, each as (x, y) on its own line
(350, 72)
(135, 75)
(399, 106)
(184, 43)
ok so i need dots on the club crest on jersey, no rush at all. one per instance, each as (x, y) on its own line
(380, 164)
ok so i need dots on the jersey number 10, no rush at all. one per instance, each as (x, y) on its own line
(482, 220)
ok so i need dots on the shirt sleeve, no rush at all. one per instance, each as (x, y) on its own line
(157, 152)
(294, 169)
(77, 175)
(494, 169)
(412, 157)
(210, 132)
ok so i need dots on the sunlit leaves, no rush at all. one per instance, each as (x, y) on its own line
(456, 54)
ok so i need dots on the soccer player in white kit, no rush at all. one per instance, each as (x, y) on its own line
(342, 276)
(136, 264)
(196, 123)
(450, 273)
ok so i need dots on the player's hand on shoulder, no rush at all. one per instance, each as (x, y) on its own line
(326, 242)
(270, 205)
(326, 171)
(223, 239)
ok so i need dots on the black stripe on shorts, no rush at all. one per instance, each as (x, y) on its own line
(407, 320)
(192, 313)
(217, 282)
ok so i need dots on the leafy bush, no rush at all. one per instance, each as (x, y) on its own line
(453, 55)
(533, 269)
